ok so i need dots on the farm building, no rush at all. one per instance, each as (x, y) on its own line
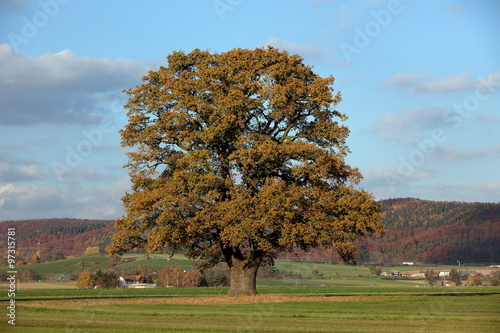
(134, 281)
(390, 273)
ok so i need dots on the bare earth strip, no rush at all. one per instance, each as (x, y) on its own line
(204, 300)
(41, 285)
(482, 271)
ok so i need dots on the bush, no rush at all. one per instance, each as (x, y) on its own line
(170, 277)
(29, 275)
(191, 279)
(75, 275)
(177, 276)
(474, 281)
(4, 275)
(268, 272)
(57, 256)
(103, 280)
(317, 273)
(92, 251)
(147, 272)
(165, 278)
(85, 280)
(213, 278)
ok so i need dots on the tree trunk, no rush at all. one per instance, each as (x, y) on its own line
(243, 277)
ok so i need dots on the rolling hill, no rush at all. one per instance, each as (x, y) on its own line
(416, 230)
(56, 238)
(436, 232)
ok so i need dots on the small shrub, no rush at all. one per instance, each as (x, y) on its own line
(213, 278)
(191, 279)
(92, 251)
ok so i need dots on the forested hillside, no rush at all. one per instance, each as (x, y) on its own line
(417, 230)
(56, 238)
(436, 232)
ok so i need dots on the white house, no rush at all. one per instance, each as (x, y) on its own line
(418, 275)
(134, 281)
(390, 273)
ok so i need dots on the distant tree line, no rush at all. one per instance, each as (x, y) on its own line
(435, 232)
(416, 230)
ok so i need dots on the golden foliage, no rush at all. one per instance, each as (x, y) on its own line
(237, 155)
(85, 281)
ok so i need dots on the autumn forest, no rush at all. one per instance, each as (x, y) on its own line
(417, 230)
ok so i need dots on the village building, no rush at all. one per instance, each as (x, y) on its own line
(390, 273)
(134, 281)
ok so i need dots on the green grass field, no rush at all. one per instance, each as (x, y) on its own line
(347, 281)
(277, 309)
(334, 274)
(29, 294)
(305, 268)
(100, 262)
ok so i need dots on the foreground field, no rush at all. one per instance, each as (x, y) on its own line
(293, 310)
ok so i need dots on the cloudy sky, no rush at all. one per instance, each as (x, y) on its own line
(420, 82)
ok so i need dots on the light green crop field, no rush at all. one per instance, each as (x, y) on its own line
(277, 309)
(347, 282)
(305, 268)
(95, 263)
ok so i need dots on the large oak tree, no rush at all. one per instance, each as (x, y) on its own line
(236, 156)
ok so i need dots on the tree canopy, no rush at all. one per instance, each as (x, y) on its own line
(238, 155)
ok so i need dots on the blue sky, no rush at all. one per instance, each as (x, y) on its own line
(420, 82)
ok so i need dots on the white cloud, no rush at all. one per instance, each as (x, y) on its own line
(487, 118)
(450, 153)
(305, 50)
(4, 192)
(482, 192)
(489, 82)
(345, 17)
(387, 183)
(446, 84)
(60, 87)
(421, 83)
(408, 126)
(14, 169)
(491, 188)
(34, 201)
(26, 172)
(405, 79)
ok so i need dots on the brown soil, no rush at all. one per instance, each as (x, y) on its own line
(482, 271)
(201, 300)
